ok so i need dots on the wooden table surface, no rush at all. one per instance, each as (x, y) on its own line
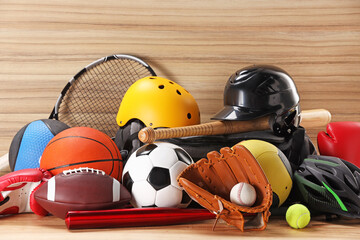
(29, 226)
(198, 44)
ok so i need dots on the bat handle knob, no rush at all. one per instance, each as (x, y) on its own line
(146, 135)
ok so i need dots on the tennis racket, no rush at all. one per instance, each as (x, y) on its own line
(93, 96)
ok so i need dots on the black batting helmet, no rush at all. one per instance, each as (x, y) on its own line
(260, 90)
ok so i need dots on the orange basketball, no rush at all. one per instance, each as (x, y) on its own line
(82, 147)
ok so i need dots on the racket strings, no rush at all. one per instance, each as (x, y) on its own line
(94, 97)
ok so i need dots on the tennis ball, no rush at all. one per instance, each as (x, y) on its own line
(298, 216)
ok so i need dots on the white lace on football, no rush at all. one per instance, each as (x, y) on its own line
(83, 169)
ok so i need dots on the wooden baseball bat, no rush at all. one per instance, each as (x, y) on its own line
(309, 119)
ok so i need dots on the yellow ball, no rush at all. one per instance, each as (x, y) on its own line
(298, 216)
(275, 166)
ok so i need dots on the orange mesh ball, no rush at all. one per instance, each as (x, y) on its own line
(82, 147)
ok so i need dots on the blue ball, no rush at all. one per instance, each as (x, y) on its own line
(29, 143)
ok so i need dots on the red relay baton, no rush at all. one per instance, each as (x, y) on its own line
(134, 217)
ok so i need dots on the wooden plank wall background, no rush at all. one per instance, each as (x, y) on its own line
(198, 44)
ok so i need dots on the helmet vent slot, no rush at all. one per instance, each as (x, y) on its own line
(313, 179)
(351, 184)
(189, 115)
(301, 169)
(247, 72)
(178, 92)
(348, 202)
(325, 168)
(265, 88)
(357, 177)
(333, 184)
(161, 86)
(243, 75)
(316, 194)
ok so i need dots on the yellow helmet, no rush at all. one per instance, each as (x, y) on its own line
(276, 167)
(158, 102)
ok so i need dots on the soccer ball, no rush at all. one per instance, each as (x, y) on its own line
(150, 176)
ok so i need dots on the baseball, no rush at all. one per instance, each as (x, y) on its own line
(243, 194)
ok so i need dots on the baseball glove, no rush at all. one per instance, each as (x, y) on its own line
(209, 182)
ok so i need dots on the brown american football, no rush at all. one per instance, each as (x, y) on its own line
(81, 189)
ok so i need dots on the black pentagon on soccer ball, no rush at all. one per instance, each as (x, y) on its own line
(150, 206)
(185, 198)
(146, 149)
(127, 181)
(183, 156)
(159, 178)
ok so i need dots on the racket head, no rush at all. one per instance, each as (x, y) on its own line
(93, 96)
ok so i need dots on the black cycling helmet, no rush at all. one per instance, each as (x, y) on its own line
(260, 90)
(330, 185)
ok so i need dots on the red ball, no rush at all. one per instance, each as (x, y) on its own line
(82, 147)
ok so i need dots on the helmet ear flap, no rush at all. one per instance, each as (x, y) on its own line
(286, 123)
